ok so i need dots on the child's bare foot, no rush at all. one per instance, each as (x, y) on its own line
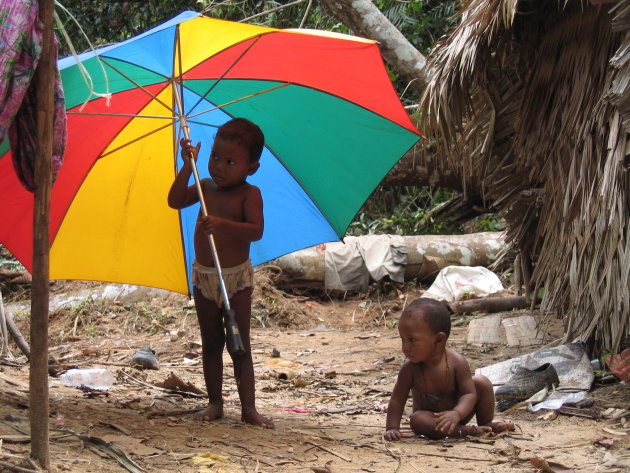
(251, 416)
(210, 413)
(473, 430)
(499, 426)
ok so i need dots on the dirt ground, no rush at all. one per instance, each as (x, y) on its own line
(324, 370)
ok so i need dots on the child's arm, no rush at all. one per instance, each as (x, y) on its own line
(250, 229)
(397, 402)
(448, 421)
(181, 195)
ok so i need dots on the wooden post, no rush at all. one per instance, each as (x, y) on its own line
(43, 82)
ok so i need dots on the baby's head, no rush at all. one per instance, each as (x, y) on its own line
(424, 327)
(244, 133)
(433, 313)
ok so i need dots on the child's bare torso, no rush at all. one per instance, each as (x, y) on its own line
(229, 204)
(434, 388)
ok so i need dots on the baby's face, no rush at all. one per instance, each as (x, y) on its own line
(418, 340)
(229, 163)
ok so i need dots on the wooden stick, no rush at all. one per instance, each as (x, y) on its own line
(19, 469)
(456, 457)
(489, 304)
(18, 338)
(176, 412)
(172, 391)
(332, 452)
(6, 351)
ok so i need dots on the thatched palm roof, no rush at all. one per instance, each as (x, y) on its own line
(529, 100)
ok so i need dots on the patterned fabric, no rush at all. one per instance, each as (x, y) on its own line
(20, 49)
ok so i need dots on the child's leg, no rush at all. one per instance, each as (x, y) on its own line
(484, 409)
(212, 343)
(424, 423)
(241, 303)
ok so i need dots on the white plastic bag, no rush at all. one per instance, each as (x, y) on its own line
(455, 283)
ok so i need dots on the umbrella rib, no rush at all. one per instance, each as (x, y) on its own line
(130, 115)
(135, 139)
(178, 96)
(204, 96)
(153, 96)
(239, 99)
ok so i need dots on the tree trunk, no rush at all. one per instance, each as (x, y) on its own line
(427, 254)
(365, 19)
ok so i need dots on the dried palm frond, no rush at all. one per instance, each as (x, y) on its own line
(529, 102)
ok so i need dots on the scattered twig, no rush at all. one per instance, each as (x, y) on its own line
(247, 450)
(76, 324)
(332, 452)
(176, 412)
(456, 457)
(394, 455)
(160, 326)
(149, 385)
(116, 453)
(19, 469)
(326, 468)
(33, 464)
(15, 331)
(15, 427)
(6, 351)
(106, 447)
(271, 10)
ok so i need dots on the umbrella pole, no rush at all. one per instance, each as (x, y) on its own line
(235, 342)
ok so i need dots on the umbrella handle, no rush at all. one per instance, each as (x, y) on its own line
(235, 342)
(213, 248)
(204, 209)
(233, 335)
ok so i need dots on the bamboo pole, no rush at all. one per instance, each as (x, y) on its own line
(38, 392)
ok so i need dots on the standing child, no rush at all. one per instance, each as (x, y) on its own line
(235, 219)
(445, 395)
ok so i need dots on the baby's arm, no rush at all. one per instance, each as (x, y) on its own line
(397, 402)
(448, 421)
(181, 195)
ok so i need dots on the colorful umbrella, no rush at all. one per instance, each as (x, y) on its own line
(332, 121)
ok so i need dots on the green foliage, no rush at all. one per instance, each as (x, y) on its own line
(422, 22)
(489, 223)
(112, 21)
(8, 261)
(401, 211)
(289, 17)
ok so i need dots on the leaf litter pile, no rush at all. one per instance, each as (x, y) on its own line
(325, 365)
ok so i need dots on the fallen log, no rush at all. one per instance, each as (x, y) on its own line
(15, 277)
(489, 304)
(427, 254)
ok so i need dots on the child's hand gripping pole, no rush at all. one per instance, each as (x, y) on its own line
(234, 341)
